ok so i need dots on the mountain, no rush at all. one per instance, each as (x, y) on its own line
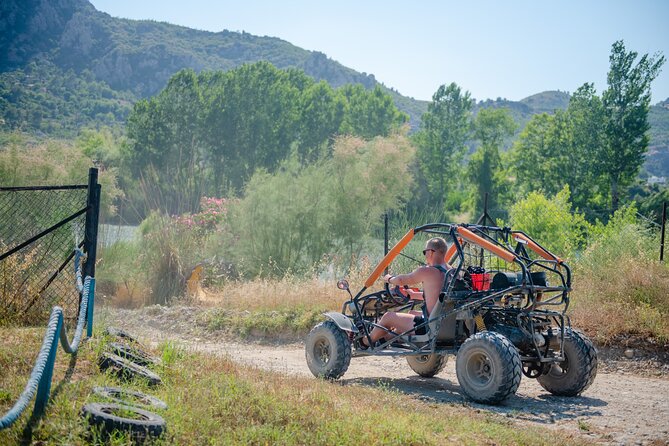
(141, 55)
(135, 58)
(65, 65)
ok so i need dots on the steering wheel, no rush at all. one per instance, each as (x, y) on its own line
(395, 296)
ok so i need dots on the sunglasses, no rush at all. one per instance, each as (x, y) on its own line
(426, 250)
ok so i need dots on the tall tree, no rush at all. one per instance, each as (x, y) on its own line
(321, 114)
(441, 139)
(565, 149)
(529, 154)
(582, 170)
(485, 170)
(626, 102)
(164, 147)
(369, 113)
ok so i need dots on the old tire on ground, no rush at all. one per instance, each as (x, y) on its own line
(109, 417)
(488, 367)
(577, 372)
(427, 365)
(130, 397)
(328, 351)
(127, 370)
(120, 334)
(134, 354)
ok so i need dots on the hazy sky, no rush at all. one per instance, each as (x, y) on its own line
(510, 49)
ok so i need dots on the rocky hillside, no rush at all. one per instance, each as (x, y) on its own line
(140, 56)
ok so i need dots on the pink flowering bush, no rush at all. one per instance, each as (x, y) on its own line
(210, 219)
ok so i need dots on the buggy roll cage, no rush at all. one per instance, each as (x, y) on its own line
(498, 242)
(479, 235)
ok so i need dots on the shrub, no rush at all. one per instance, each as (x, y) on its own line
(288, 221)
(551, 222)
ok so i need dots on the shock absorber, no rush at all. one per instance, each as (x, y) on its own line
(480, 325)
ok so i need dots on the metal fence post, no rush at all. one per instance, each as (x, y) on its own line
(92, 216)
(664, 223)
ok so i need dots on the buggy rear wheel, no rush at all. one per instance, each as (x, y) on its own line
(328, 351)
(427, 365)
(578, 370)
(488, 367)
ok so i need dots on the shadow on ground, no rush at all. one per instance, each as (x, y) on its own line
(540, 408)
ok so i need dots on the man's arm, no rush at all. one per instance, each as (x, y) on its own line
(417, 276)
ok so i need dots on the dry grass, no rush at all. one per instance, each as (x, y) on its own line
(629, 297)
(263, 294)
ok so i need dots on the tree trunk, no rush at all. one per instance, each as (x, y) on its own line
(615, 199)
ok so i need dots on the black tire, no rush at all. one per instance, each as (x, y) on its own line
(577, 372)
(328, 351)
(127, 370)
(130, 397)
(134, 354)
(427, 365)
(488, 367)
(120, 334)
(109, 417)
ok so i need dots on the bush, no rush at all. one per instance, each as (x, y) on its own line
(551, 222)
(291, 220)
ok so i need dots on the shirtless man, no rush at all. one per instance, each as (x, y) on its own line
(431, 276)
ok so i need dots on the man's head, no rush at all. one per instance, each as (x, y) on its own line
(435, 250)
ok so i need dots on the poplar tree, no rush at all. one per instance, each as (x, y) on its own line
(441, 139)
(626, 103)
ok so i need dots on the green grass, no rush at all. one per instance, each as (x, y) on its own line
(212, 400)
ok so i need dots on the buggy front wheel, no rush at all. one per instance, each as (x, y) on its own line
(488, 367)
(328, 351)
(427, 365)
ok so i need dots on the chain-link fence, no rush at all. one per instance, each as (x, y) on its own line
(39, 229)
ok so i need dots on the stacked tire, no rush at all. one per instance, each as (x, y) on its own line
(126, 410)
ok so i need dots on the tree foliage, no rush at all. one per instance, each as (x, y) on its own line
(626, 102)
(485, 170)
(441, 139)
(597, 145)
(288, 220)
(551, 222)
(563, 149)
(208, 133)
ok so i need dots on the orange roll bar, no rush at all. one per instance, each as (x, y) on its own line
(389, 258)
(536, 248)
(483, 243)
(451, 252)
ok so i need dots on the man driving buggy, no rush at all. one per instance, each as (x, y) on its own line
(432, 276)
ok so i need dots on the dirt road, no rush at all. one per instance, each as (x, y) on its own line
(617, 409)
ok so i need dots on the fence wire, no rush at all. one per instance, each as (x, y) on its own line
(36, 271)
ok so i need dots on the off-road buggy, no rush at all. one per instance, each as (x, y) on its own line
(501, 312)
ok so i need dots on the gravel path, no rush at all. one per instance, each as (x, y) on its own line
(619, 408)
